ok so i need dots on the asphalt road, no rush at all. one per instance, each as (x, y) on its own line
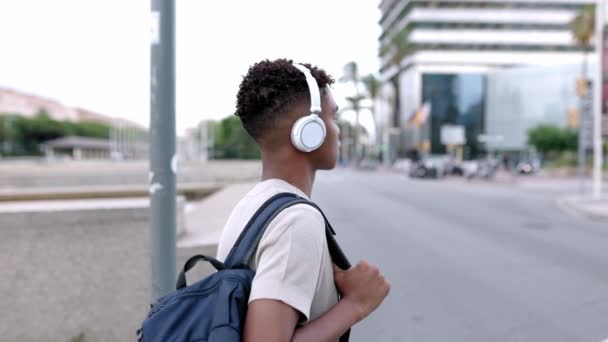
(471, 262)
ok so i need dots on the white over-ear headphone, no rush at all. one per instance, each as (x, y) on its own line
(308, 132)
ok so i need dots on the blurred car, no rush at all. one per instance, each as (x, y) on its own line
(528, 167)
(484, 168)
(403, 165)
(369, 165)
(434, 166)
(421, 170)
(470, 168)
(454, 167)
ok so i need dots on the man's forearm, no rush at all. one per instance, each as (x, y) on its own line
(331, 325)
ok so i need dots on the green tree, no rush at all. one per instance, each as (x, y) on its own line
(5, 127)
(25, 135)
(233, 142)
(547, 139)
(30, 133)
(7, 133)
(88, 129)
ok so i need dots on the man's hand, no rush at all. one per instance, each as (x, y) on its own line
(363, 289)
(363, 286)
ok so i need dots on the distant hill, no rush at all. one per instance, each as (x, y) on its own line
(28, 105)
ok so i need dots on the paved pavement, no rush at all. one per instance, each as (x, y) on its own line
(205, 219)
(468, 261)
(72, 267)
(570, 194)
(585, 206)
(471, 262)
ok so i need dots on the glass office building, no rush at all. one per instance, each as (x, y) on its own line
(456, 47)
(456, 99)
(522, 98)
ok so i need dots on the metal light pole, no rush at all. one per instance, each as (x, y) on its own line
(597, 100)
(582, 139)
(162, 144)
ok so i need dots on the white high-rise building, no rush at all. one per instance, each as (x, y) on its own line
(457, 43)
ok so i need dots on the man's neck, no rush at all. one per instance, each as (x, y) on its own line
(295, 171)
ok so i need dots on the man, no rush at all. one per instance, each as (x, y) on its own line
(294, 295)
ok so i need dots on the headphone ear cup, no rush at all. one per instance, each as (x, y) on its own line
(308, 133)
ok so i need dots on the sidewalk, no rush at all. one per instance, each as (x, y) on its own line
(74, 246)
(205, 219)
(586, 206)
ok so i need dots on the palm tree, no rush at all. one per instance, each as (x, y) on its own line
(583, 29)
(346, 135)
(372, 86)
(352, 75)
(355, 105)
(399, 47)
(583, 26)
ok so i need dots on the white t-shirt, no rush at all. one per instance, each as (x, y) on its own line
(292, 262)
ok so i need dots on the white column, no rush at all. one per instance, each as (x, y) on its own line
(77, 153)
(597, 99)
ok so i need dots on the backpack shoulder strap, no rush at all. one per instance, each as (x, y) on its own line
(246, 244)
(251, 235)
(337, 256)
(241, 253)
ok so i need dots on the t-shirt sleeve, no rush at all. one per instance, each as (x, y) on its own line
(289, 258)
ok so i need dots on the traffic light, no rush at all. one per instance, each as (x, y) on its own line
(426, 145)
(581, 87)
(573, 120)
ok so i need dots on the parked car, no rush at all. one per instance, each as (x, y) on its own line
(484, 168)
(420, 169)
(470, 168)
(434, 166)
(403, 165)
(454, 167)
(528, 167)
(369, 165)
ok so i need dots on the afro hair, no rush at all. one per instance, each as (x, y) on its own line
(267, 91)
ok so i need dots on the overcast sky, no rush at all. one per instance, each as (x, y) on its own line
(95, 53)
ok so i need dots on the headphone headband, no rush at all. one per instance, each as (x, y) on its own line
(313, 89)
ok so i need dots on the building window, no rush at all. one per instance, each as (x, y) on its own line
(456, 99)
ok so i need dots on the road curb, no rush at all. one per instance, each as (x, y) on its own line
(188, 190)
(583, 206)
